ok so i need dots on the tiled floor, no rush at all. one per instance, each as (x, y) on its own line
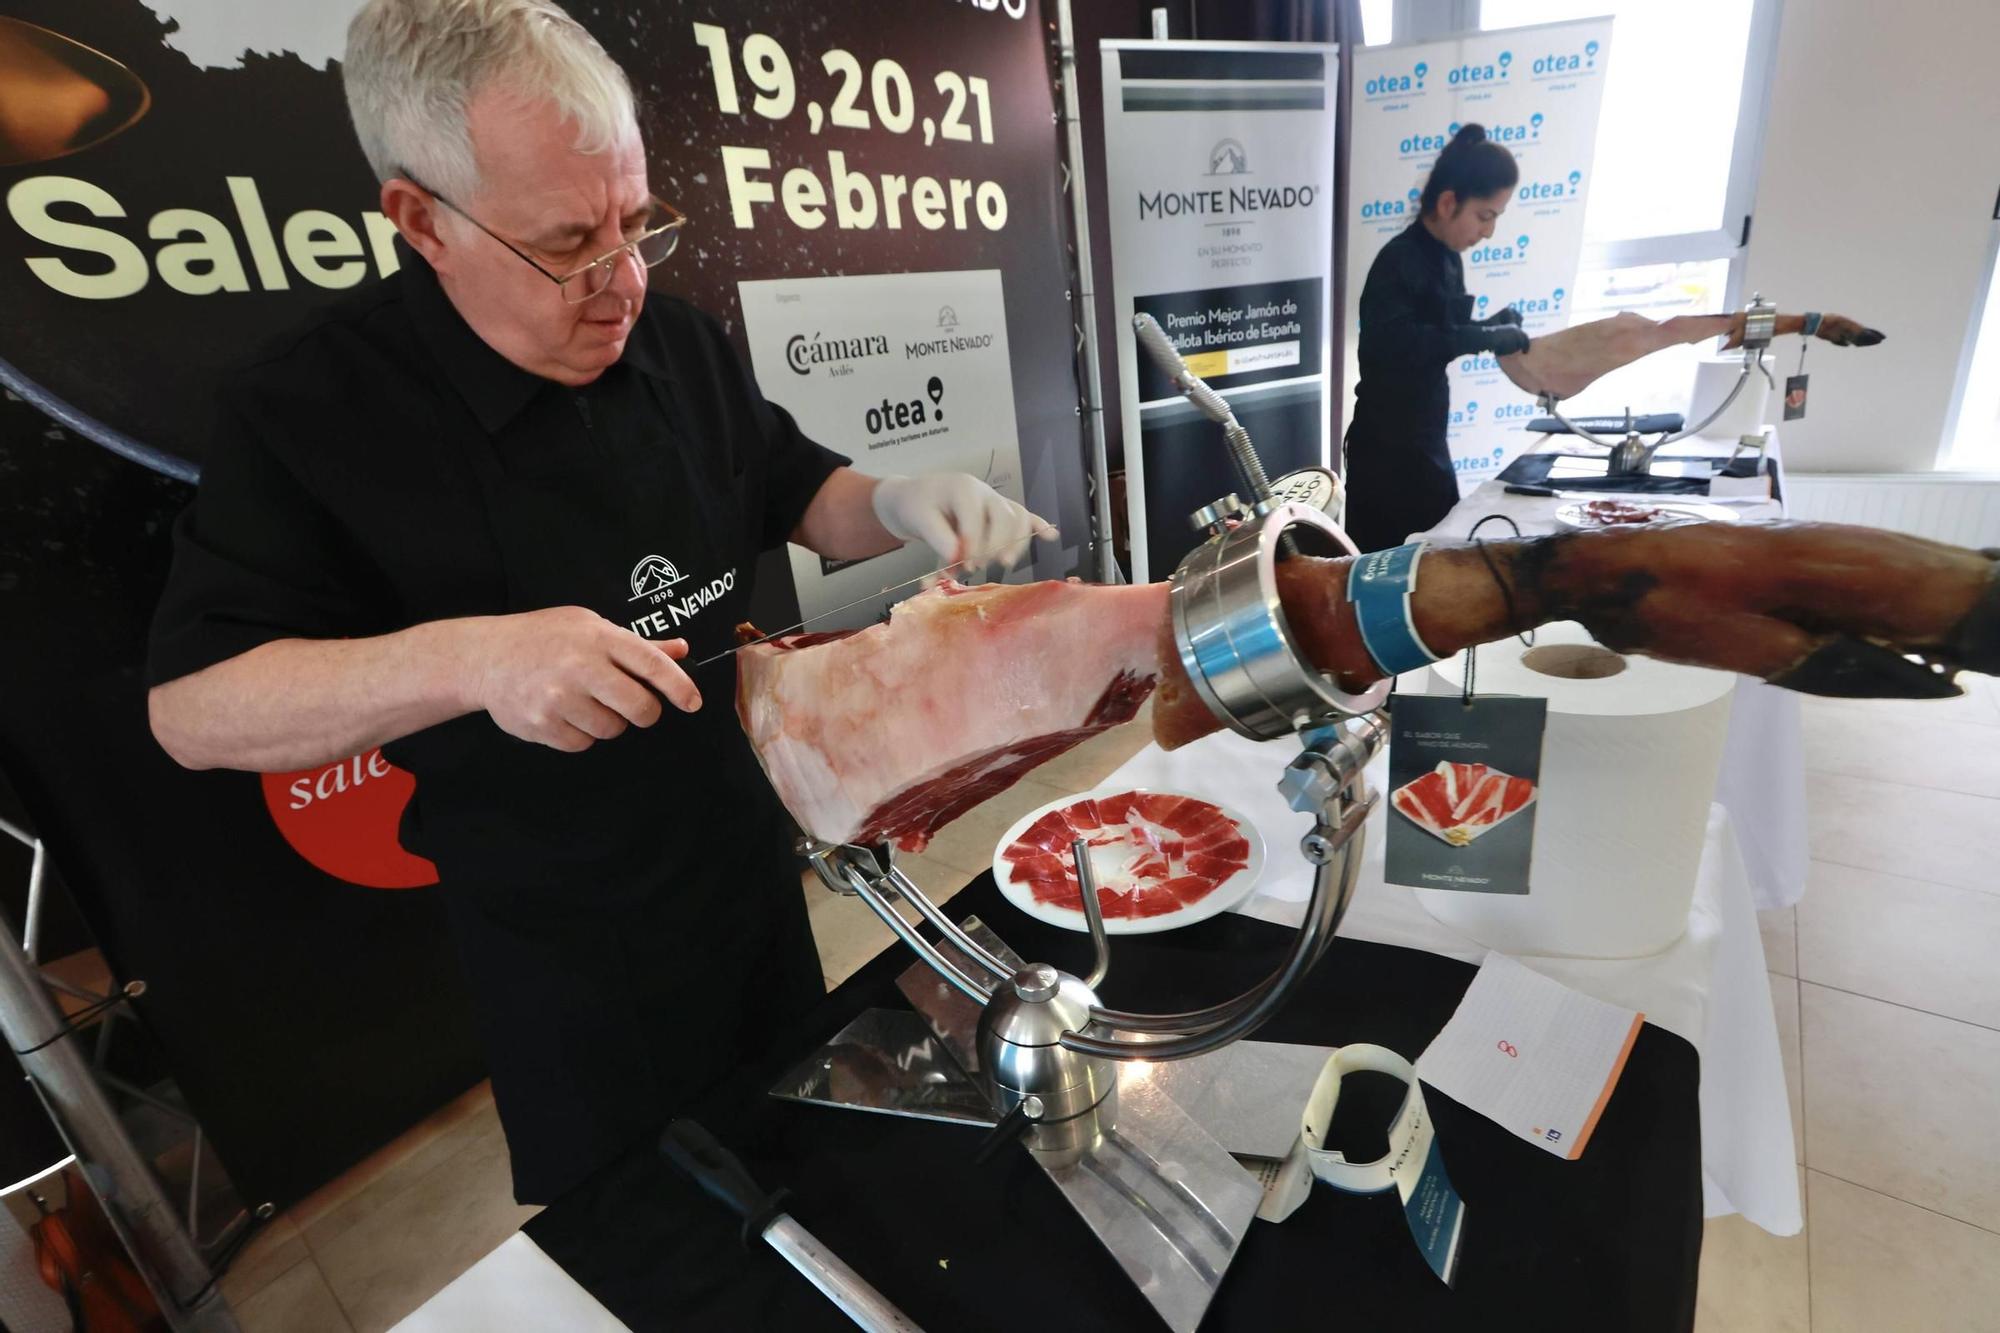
(1885, 979)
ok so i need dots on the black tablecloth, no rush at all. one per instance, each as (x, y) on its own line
(1607, 1242)
(1533, 469)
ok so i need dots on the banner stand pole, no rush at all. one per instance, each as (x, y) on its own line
(1086, 301)
(112, 1166)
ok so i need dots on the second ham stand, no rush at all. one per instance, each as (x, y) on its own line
(1632, 455)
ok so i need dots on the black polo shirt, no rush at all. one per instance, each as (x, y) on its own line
(387, 468)
(339, 498)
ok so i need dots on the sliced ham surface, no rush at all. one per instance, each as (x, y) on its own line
(1151, 853)
(889, 733)
(1459, 802)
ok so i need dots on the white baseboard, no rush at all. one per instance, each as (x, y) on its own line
(1962, 508)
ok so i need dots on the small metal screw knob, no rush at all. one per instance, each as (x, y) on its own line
(1037, 982)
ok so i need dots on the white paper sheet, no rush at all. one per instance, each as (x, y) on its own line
(1535, 1057)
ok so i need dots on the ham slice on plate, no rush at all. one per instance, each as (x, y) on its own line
(887, 734)
(1160, 859)
(1458, 802)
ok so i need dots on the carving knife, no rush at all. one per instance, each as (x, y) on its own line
(970, 562)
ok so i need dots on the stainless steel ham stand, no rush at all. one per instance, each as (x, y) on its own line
(1139, 1145)
(1631, 453)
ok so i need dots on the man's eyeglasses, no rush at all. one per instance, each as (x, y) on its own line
(657, 237)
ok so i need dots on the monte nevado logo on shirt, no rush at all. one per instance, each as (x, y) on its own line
(659, 583)
(834, 353)
(1227, 159)
(654, 577)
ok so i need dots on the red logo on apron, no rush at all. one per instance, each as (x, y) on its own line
(343, 819)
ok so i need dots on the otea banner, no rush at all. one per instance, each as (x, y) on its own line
(1537, 91)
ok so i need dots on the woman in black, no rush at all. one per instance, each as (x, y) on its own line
(1415, 318)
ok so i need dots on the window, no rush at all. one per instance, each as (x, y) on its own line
(1674, 175)
(1666, 140)
(1664, 381)
(1972, 432)
(1378, 22)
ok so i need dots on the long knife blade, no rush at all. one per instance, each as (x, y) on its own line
(970, 562)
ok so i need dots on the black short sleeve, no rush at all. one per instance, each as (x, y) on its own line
(257, 558)
(795, 465)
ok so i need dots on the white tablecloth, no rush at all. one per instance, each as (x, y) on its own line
(515, 1286)
(1710, 988)
(1763, 781)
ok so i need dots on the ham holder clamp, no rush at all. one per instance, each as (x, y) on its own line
(1029, 1050)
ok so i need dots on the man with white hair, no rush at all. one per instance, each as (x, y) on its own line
(484, 515)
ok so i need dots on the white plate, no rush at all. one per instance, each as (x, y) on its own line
(1227, 894)
(1572, 513)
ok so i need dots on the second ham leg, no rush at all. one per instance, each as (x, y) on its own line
(1567, 361)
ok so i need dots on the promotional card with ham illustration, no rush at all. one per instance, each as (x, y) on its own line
(1463, 778)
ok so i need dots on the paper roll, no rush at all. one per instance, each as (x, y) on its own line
(1628, 773)
(1714, 377)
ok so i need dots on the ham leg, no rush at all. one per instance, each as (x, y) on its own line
(1565, 362)
(890, 733)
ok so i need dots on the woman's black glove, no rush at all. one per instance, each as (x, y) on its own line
(1508, 315)
(1499, 339)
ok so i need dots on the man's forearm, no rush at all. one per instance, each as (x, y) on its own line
(297, 703)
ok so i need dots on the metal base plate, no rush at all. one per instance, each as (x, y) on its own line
(952, 1015)
(888, 1060)
(1159, 1186)
(1166, 1199)
(1249, 1096)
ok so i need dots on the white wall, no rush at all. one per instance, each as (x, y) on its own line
(1880, 166)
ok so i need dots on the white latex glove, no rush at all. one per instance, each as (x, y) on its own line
(961, 517)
